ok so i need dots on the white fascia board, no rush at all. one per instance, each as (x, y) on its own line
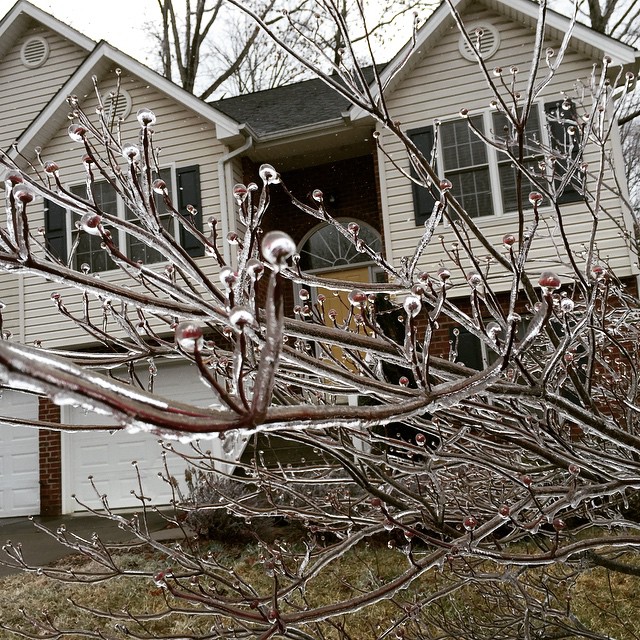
(431, 26)
(101, 54)
(26, 8)
(620, 53)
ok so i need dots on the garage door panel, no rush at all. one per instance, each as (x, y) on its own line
(19, 457)
(108, 456)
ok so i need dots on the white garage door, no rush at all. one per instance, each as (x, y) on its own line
(19, 458)
(107, 457)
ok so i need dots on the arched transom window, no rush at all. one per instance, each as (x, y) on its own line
(326, 248)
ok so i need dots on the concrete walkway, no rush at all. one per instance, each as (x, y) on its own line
(40, 549)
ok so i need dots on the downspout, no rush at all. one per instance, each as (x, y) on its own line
(228, 214)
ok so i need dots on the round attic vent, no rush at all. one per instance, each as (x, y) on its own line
(489, 40)
(117, 106)
(34, 52)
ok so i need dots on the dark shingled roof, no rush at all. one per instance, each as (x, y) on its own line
(287, 107)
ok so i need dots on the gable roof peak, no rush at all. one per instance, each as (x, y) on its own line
(17, 20)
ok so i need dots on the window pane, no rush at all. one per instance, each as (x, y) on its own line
(473, 190)
(138, 250)
(503, 131)
(89, 250)
(460, 146)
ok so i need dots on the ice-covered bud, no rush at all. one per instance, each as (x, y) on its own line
(188, 336)
(240, 193)
(423, 276)
(233, 237)
(90, 223)
(240, 317)
(354, 228)
(535, 198)
(333, 314)
(549, 282)
(497, 72)
(357, 297)
(598, 272)
(303, 294)
(13, 178)
(444, 274)
(76, 132)
(493, 329)
(559, 524)
(23, 193)
(85, 267)
(474, 279)
(228, 277)
(130, 152)
(464, 112)
(514, 69)
(566, 305)
(277, 246)
(51, 167)
(526, 480)
(421, 439)
(508, 240)
(146, 117)
(504, 511)
(445, 185)
(403, 381)
(469, 523)
(255, 268)
(159, 186)
(574, 469)
(317, 195)
(412, 306)
(268, 174)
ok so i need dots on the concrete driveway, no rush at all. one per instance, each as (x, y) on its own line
(40, 549)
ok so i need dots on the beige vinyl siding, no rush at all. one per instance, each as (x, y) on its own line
(439, 84)
(24, 92)
(184, 139)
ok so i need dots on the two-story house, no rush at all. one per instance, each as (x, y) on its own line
(315, 139)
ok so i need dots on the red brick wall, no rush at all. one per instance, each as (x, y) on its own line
(350, 189)
(50, 461)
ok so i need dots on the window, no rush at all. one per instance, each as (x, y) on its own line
(565, 137)
(61, 232)
(326, 248)
(466, 165)
(483, 178)
(89, 250)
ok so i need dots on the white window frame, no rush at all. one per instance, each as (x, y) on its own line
(121, 212)
(493, 155)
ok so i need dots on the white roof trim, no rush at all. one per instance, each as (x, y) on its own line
(621, 54)
(26, 8)
(225, 126)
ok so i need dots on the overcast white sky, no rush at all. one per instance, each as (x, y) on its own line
(120, 22)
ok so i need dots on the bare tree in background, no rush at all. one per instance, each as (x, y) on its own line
(508, 481)
(205, 48)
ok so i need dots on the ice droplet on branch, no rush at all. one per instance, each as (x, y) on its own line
(188, 336)
(90, 223)
(146, 117)
(277, 247)
(268, 174)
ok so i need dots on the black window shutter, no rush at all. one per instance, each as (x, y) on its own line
(469, 349)
(55, 229)
(423, 198)
(189, 194)
(558, 121)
